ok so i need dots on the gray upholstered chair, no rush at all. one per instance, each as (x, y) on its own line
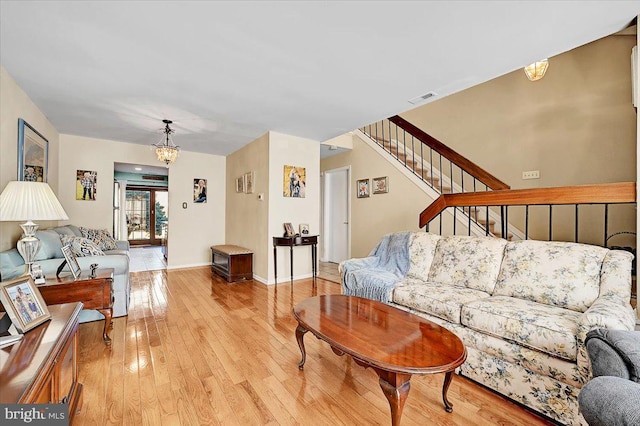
(612, 397)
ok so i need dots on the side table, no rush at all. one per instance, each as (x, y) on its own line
(291, 242)
(94, 293)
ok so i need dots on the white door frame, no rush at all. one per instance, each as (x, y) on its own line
(326, 203)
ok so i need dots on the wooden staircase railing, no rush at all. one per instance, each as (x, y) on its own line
(433, 162)
(506, 200)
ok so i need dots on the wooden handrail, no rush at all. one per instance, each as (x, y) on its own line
(465, 164)
(606, 193)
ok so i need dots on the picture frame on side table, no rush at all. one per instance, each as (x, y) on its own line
(362, 186)
(304, 229)
(288, 229)
(70, 259)
(33, 153)
(24, 303)
(381, 185)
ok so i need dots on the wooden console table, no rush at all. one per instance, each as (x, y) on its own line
(42, 368)
(233, 263)
(94, 293)
(291, 242)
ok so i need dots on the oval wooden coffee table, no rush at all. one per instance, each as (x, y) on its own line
(394, 343)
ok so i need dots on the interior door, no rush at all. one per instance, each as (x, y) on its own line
(147, 215)
(336, 223)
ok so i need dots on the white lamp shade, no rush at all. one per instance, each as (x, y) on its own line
(24, 201)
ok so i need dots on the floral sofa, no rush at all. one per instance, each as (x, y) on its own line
(50, 256)
(522, 308)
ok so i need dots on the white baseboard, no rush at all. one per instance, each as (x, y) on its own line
(191, 265)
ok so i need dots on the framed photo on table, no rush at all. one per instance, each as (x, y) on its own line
(33, 153)
(71, 260)
(23, 303)
(288, 229)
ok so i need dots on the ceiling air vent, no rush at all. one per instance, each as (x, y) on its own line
(422, 98)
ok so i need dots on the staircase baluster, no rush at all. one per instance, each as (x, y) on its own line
(550, 222)
(526, 222)
(576, 230)
(606, 223)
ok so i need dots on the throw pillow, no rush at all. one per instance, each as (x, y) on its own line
(101, 237)
(81, 247)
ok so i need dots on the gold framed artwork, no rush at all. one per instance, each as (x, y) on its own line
(363, 188)
(240, 184)
(248, 183)
(23, 303)
(381, 185)
(294, 181)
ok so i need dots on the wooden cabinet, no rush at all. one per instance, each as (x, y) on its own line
(234, 263)
(43, 366)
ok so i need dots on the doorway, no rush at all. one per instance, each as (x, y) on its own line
(146, 209)
(336, 215)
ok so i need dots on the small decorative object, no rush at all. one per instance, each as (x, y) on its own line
(363, 188)
(94, 267)
(166, 150)
(380, 185)
(294, 182)
(240, 184)
(37, 274)
(248, 183)
(24, 304)
(304, 229)
(288, 230)
(70, 259)
(33, 153)
(86, 185)
(199, 190)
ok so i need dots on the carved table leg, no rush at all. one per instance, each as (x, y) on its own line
(300, 330)
(396, 388)
(445, 387)
(107, 325)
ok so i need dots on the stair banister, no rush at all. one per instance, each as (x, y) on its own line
(607, 193)
(465, 164)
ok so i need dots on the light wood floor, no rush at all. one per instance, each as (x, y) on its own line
(196, 350)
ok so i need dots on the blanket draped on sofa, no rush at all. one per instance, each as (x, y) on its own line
(386, 265)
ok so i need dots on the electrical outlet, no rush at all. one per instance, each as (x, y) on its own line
(531, 174)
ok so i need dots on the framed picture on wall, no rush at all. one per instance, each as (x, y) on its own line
(86, 185)
(381, 185)
(363, 188)
(199, 190)
(33, 153)
(248, 183)
(294, 181)
(240, 184)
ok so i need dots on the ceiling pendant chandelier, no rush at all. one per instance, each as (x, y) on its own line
(166, 150)
(536, 70)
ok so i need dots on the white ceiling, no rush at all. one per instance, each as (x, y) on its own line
(227, 72)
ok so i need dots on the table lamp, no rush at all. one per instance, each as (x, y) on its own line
(29, 201)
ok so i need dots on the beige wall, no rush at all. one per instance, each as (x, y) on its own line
(15, 104)
(293, 151)
(377, 215)
(247, 216)
(191, 231)
(576, 126)
(252, 223)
